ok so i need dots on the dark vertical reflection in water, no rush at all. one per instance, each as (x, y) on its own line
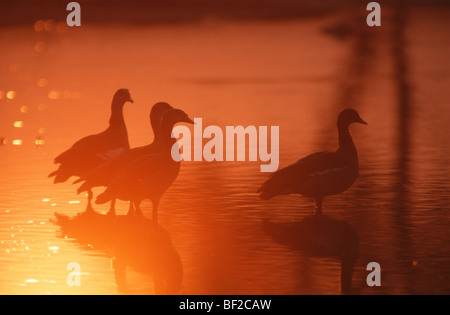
(402, 220)
(358, 65)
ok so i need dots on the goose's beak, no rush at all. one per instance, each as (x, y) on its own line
(189, 121)
(361, 121)
(130, 100)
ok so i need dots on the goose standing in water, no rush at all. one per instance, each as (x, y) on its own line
(150, 176)
(105, 173)
(92, 151)
(320, 174)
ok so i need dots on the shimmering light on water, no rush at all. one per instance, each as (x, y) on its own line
(39, 142)
(18, 124)
(49, 25)
(39, 47)
(54, 95)
(31, 281)
(42, 82)
(10, 95)
(53, 249)
(39, 25)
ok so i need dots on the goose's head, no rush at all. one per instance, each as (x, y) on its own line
(157, 113)
(173, 117)
(349, 116)
(122, 96)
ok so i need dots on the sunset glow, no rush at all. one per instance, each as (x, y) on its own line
(224, 148)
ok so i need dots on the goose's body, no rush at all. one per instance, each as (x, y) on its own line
(106, 172)
(94, 150)
(149, 176)
(320, 174)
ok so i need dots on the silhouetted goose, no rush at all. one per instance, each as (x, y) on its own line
(90, 152)
(105, 173)
(150, 176)
(320, 174)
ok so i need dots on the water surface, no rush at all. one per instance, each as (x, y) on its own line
(288, 74)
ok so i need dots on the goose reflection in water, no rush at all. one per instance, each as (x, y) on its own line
(322, 236)
(135, 242)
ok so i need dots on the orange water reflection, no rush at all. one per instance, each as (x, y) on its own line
(289, 74)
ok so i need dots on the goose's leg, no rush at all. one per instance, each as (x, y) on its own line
(131, 209)
(319, 206)
(138, 211)
(89, 205)
(112, 208)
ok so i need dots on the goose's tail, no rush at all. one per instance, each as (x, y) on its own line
(84, 187)
(60, 176)
(103, 197)
(79, 180)
(279, 183)
(266, 191)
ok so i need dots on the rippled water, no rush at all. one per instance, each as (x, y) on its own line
(288, 74)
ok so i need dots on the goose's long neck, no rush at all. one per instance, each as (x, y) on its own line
(345, 140)
(165, 138)
(117, 119)
(158, 136)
